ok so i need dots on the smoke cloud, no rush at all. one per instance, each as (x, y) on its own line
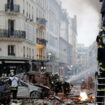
(95, 4)
(88, 18)
(81, 5)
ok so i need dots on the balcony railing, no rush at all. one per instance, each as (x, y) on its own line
(42, 41)
(41, 21)
(12, 34)
(12, 8)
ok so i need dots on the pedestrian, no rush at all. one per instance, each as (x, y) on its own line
(14, 86)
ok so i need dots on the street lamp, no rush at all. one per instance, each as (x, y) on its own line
(49, 55)
(43, 68)
(61, 72)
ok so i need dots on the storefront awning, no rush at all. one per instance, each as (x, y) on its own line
(13, 59)
(39, 46)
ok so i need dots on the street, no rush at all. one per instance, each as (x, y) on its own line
(55, 92)
(40, 102)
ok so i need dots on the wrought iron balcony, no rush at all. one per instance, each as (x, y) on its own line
(12, 8)
(41, 21)
(12, 34)
(42, 41)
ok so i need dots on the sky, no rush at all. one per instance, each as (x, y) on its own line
(88, 18)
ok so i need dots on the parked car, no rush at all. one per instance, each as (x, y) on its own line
(45, 90)
(26, 90)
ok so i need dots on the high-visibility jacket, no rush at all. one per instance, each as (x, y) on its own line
(101, 47)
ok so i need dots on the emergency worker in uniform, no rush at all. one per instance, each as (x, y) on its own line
(101, 49)
(103, 12)
(14, 81)
(66, 87)
(101, 62)
(101, 58)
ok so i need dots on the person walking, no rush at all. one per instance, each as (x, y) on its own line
(14, 81)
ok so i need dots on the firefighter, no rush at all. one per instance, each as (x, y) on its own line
(66, 87)
(14, 86)
(101, 49)
(101, 58)
(103, 12)
(101, 62)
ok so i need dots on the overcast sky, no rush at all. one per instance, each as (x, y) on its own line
(87, 13)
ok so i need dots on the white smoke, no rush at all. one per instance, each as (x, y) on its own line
(95, 4)
(81, 5)
(88, 15)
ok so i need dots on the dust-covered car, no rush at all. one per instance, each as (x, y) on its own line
(45, 90)
(26, 89)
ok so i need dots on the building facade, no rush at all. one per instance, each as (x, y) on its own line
(34, 35)
(41, 22)
(53, 33)
(82, 58)
(92, 56)
(17, 32)
(73, 38)
(64, 50)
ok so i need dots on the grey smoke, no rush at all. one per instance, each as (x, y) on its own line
(88, 15)
(95, 4)
(80, 5)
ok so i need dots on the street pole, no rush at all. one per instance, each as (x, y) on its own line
(30, 62)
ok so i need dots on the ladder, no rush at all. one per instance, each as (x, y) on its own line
(99, 90)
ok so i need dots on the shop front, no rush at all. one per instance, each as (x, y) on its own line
(18, 65)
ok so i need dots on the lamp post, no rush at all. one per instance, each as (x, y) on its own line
(43, 68)
(49, 55)
(61, 71)
(51, 58)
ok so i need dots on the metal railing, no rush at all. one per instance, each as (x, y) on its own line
(41, 41)
(41, 21)
(12, 8)
(12, 34)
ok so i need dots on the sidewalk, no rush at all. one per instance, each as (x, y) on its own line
(15, 103)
